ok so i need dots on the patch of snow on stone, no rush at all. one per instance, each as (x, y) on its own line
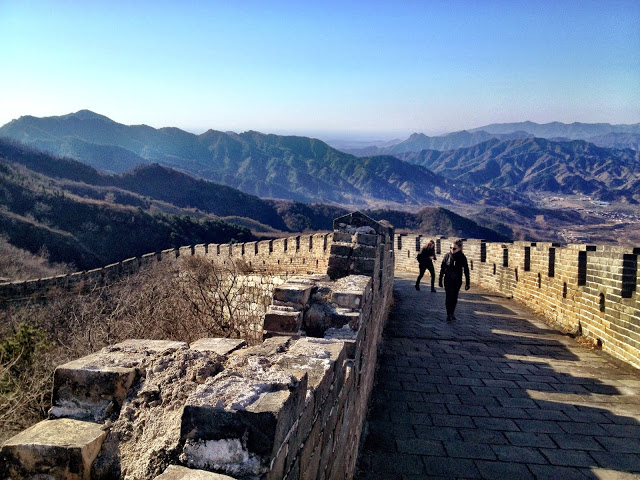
(227, 455)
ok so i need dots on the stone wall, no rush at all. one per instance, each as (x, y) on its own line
(292, 407)
(585, 289)
(292, 255)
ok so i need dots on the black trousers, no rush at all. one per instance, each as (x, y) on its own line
(451, 298)
(432, 272)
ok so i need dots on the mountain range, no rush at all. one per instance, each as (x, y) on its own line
(274, 183)
(600, 134)
(540, 165)
(575, 131)
(89, 218)
(295, 168)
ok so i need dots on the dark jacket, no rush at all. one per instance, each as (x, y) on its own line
(453, 265)
(425, 256)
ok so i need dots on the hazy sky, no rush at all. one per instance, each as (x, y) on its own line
(361, 67)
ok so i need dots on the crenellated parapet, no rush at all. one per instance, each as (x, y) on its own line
(300, 254)
(589, 290)
(293, 405)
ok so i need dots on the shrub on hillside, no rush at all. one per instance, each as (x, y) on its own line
(18, 264)
(192, 298)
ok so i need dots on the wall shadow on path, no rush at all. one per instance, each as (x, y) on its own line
(495, 394)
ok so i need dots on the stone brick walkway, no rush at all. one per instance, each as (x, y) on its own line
(497, 394)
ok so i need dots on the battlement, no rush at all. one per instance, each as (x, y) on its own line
(292, 405)
(286, 256)
(588, 290)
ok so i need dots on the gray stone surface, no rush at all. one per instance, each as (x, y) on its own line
(496, 393)
(291, 292)
(63, 448)
(94, 387)
(221, 346)
(175, 472)
(282, 319)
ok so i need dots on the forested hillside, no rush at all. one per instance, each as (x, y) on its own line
(285, 167)
(90, 219)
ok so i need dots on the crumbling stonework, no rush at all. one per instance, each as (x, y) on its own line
(291, 407)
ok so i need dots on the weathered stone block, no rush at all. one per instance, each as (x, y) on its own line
(221, 346)
(339, 262)
(348, 299)
(341, 249)
(365, 266)
(282, 319)
(365, 251)
(342, 237)
(317, 358)
(95, 386)
(83, 389)
(366, 239)
(61, 449)
(293, 293)
(237, 423)
(175, 472)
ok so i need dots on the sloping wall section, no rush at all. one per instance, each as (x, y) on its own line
(292, 407)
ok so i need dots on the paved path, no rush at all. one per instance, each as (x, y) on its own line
(497, 394)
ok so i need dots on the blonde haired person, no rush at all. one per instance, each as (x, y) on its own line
(453, 265)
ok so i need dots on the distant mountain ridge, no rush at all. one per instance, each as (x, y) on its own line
(492, 169)
(288, 167)
(540, 165)
(600, 134)
(90, 218)
(419, 141)
(574, 131)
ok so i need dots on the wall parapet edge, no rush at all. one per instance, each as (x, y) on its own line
(583, 289)
(309, 396)
(259, 256)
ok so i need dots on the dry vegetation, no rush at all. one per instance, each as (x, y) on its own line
(18, 264)
(186, 300)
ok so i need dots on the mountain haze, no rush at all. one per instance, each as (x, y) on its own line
(600, 134)
(573, 131)
(288, 167)
(539, 165)
(419, 141)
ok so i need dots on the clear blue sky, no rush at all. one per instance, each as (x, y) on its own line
(359, 67)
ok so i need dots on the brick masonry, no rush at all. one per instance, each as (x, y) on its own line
(292, 407)
(339, 287)
(589, 290)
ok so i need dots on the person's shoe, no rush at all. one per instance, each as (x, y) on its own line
(449, 317)
(417, 287)
(433, 290)
(453, 317)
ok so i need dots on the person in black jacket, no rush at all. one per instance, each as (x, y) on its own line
(425, 261)
(454, 264)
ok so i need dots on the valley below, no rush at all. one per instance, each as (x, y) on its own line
(564, 219)
(83, 187)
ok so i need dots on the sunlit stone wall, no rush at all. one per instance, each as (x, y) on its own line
(291, 407)
(590, 290)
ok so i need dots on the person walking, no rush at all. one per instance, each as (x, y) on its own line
(425, 262)
(453, 265)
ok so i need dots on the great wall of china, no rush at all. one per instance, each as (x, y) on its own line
(293, 406)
